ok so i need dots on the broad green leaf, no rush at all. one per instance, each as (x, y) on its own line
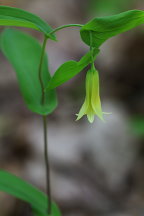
(36, 213)
(109, 7)
(137, 124)
(23, 52)
(10, 16)
(69, 69)
(20, 189)
(104, 28)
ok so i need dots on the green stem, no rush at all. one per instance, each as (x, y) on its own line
(65, 26)
(43, 52)
(48, 189)
(40, 69)
(91, 51)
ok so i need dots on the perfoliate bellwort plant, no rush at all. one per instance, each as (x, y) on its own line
(92, 102)
(38, 87)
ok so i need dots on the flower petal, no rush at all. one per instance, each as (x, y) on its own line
(90, 116)
(85, 105)
(82, 111)
(95, 97)
(88, 86)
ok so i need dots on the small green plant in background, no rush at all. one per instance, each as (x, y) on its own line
(38, 88)
(109, 7)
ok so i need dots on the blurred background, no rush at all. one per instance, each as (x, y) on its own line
(96, 169)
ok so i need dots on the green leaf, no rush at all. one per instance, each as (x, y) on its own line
(36, 213)
(20, 189)
(106, 27)
(10, 16)
(69, 69)
(113, 6)
(137, 124)
(23, 52)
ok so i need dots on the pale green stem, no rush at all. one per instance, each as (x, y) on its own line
(91, 51)
(48, 188)
(65, 26)
(48, 191)
(40, 69)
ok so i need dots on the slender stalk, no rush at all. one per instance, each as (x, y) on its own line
(40, 69)
(43, 52)
(65, 26)
(91, 50)
(48, 189)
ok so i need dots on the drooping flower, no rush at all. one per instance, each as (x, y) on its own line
(92, 103)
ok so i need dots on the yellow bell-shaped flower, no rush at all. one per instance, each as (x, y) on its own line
(92, 103)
